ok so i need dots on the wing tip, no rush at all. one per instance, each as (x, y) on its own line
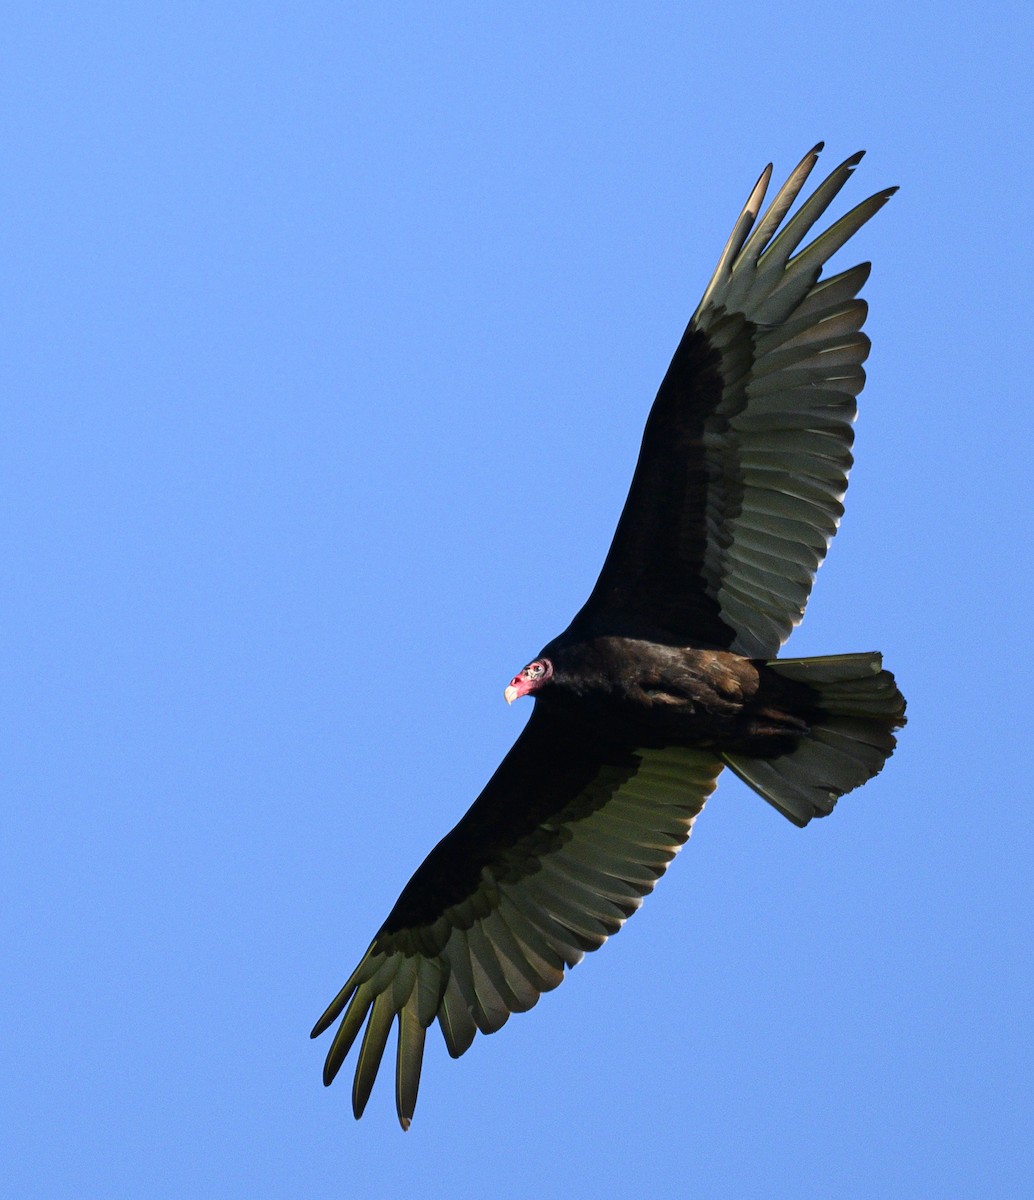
(757, 195)
(875, 202)
(330, 1071)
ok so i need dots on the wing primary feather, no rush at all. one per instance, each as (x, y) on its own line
(482, 1005)
(431, 980)
(835, 290)
(773, 260)
(738, 236)
(781, 204)
(382, 1015)
(801, 272)
(337, 1005)
(403, 983)
(457, 1024)
(355, 1017)
(827, 244)
(408, 1064)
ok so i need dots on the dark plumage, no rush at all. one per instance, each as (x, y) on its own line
(668, 673)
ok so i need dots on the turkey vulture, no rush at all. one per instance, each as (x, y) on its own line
(669, 671)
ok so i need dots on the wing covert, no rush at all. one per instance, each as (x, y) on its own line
(560, 848)
(739, 485)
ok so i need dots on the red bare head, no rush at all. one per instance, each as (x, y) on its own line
(534, 675)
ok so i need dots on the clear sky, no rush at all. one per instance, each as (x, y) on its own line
(329, 332)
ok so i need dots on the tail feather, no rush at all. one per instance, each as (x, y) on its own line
(857, 707)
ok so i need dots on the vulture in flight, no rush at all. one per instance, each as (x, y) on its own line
(669, 672)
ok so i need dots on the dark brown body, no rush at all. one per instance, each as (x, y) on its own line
(670, 695)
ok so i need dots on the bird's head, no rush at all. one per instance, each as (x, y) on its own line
(535, 675)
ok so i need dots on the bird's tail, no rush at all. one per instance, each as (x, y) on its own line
(857, 707)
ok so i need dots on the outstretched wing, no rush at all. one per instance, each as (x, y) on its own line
(554, 855)
(744, 461)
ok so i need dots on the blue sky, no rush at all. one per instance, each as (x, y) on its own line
(329, 332)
